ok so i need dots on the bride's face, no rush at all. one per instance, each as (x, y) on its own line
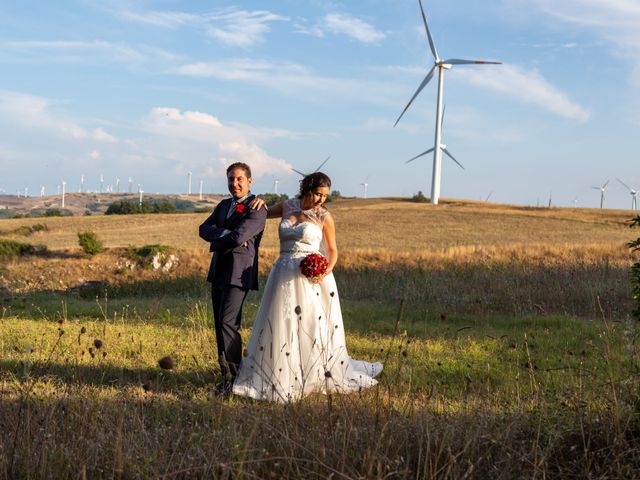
(315, 198)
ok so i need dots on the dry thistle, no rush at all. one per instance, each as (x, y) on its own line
(166, 363)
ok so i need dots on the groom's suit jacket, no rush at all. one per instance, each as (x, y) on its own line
(233, 264)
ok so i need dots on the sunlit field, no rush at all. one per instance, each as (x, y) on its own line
(504, 331)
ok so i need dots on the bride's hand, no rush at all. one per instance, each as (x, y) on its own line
(257, 203)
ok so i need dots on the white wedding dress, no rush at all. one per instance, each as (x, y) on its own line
(297, 344)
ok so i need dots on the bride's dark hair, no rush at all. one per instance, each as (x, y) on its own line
(312, 181)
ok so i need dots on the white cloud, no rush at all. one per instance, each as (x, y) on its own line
(527, 87)
(95, 155)
(32, 112)
(342, 23)
(240, 27)
(96, 51)
(230, 26)
(200, 142)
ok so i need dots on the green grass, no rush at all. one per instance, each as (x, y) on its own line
(497, 396)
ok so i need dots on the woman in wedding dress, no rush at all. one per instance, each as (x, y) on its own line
(297, 344)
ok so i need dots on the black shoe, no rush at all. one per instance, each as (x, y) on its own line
(224, 389)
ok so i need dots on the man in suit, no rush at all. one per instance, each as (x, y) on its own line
(234, 231)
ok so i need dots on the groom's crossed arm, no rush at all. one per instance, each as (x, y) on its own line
(248, 227)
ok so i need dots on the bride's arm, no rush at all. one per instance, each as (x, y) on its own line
(274, 211)
(329, 235)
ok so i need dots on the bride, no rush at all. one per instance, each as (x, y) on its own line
(297, 344)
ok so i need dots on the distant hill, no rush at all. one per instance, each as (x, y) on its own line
(91, 203)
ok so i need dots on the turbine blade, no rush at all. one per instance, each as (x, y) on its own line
(459, 61)
(452, 158)
(426, 27)
(298, 171)
(624, 184)
(422, 85)
(418, 156)
(322, 164)
(605, 184)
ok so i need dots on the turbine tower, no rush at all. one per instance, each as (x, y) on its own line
(189, 191)
(42, 190)
(439, 65)
(602, 189)
(140, 194)
(275, 185)
(443, 147)
(101, 182)
(117, 185)
(634, 195)
(81, 183)
(200, 197)
(130, 185)
(63, 185)
(317, 169)
(364, 189)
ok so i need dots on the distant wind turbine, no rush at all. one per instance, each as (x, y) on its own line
(63, 185)
(81, 183)
(364, 186)
(634, 194)
(189, 191)
(602, 189)
(117, 185)
(275, 185)
(140, 191)
(130, 185)
(101, 182)
(200, 197)
(317, 169)
(42, 190)
(439, 65)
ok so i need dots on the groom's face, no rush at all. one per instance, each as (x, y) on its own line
(238, 183)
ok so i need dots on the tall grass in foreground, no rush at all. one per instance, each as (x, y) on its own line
(536, 397)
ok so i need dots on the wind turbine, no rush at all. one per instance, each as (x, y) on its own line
(634, 194)
(317, 169)
(602, 189)
(140, 191)
(200, 197)
(117, 184)
(42, 190)
(81, 183)
(364, 186)
(275, 185)
(439, 65)
(101, 182)
(130, 184)
(189, 174)
(443, 147)
(63, 185)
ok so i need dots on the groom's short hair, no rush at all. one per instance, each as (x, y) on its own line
(241, 166)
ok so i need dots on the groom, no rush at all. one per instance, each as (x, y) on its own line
(234, 231)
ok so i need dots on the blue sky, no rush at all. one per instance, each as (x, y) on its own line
(155, 89)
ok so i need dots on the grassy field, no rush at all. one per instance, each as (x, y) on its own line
(504, 331)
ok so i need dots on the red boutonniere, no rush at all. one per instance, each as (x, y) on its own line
(240, 208)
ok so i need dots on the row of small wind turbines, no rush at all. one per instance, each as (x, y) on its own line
(632, 191)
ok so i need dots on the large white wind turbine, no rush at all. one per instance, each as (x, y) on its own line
(317, 169)
(63, 185)
(189, 191)
(439, 65)
(634, 194)
(602, 189)
(275, 185)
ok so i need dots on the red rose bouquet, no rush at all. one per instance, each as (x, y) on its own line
(314, 266)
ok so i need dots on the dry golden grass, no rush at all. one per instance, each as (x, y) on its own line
(394, 224)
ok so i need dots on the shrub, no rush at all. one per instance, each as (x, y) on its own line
(11, 248)
(90, 243)
(26, 230)
(635, 270)
(273, 198)
(419, 197)
(130, 207)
